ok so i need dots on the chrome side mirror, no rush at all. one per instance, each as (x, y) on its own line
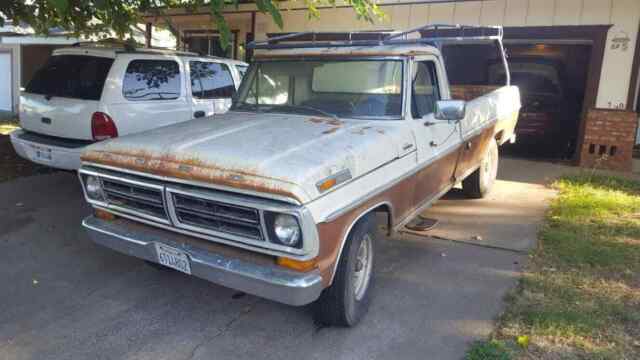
(450, 110)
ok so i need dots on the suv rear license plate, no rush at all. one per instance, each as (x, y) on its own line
(42, 153)
(173, 258)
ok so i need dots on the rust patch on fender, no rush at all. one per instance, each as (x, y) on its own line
(188, 169)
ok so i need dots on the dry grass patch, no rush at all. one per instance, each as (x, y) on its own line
(580, 295)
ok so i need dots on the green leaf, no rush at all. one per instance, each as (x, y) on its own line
(61, 6)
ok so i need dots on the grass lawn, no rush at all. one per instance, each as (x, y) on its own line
(580, 295)
(7, 124)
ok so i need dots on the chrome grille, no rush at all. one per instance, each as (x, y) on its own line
(216, 216)
(134, 197)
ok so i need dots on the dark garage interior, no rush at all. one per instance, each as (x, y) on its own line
(552, 77)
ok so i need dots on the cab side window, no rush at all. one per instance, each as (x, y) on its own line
(211, 80)
(424, 89)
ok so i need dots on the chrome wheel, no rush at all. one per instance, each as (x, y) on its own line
(363, 266)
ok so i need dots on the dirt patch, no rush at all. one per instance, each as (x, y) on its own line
(12, 166)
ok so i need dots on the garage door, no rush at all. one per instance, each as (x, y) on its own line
(5, 82)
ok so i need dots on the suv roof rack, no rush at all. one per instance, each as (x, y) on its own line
(431, 34)
(121, 46)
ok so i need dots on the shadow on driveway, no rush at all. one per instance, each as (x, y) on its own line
(64, 297)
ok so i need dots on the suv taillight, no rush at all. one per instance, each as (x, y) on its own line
(102, 126)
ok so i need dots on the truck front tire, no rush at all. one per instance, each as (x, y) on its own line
(479, 183)
(346, 301)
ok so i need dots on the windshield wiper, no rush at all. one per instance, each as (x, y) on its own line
(304, 107)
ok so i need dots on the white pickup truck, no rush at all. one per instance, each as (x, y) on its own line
(277, 197)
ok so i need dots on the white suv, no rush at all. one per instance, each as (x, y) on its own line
(87, 94)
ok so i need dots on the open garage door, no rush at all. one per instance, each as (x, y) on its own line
(552, 78)
(6, 97)
(558, 71)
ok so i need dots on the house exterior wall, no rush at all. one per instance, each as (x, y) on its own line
(15, 52)
(34, 57)
(624, 15)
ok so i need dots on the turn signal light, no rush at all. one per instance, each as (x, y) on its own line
(102, 126)
(104, 215)
(296, 264)
(327, 184)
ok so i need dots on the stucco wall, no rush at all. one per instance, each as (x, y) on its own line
(617, 62)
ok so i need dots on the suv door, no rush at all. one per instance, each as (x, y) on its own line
(212, 87)
(438, 141)
(152, 93)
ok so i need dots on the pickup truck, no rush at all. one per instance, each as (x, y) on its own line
(279, 197)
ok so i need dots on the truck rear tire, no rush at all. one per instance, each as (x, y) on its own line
(479, 183)
(346, 301)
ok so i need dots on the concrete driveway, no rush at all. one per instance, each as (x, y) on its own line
(62, 297)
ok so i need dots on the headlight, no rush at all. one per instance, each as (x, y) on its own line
(287, 229)
(93, 186)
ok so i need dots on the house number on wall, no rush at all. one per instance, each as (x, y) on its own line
(617, 106)
(620, 41)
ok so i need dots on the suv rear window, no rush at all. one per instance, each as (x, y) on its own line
(151, 80)
(211, 80)
(71, 76)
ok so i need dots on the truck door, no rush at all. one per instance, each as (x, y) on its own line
(212, 87)
(438, 141)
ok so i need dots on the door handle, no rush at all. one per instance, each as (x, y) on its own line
(198, 114)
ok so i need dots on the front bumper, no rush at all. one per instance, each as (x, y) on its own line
(267, 281)
(59, 154)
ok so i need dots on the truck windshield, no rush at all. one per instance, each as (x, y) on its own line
(343, 88)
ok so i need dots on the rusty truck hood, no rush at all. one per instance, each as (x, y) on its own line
(279, 154)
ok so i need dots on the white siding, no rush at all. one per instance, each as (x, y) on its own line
(596, 12)
(540, 12)
(468, 12)
(567, 12)
(516, 12)
(492, 12)
(441, 13)
(616, 67)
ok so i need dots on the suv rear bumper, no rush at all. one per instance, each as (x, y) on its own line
(267, 281)
(58, 153)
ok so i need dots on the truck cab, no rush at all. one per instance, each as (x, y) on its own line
(279, 196)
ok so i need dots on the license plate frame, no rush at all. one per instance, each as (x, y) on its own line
(173, 258)
(42, 153)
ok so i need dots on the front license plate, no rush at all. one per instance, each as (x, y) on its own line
(173, 258)
(42, 153)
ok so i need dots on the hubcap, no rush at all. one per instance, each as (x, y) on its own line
(362, 269)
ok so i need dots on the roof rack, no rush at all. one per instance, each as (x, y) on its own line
(431, 34)
(121, 46)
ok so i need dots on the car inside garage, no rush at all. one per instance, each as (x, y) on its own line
(554, 70)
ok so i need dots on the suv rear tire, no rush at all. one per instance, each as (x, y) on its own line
(479, 183)
(346, 301)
